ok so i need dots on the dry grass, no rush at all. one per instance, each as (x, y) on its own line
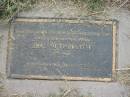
(1, 38)
(92, 5)
(124, 78)
(1, 84)
(63, 92)
(10, 8)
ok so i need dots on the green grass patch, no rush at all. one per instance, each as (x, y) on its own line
(95, 5)
(9, 8)
(92, 5)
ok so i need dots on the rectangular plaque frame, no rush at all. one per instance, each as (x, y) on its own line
(55, 20)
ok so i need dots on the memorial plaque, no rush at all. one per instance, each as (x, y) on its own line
(70, 49)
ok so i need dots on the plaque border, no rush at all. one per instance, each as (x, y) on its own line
(114, 24)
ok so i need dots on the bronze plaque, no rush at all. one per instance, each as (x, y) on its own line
(68, 49)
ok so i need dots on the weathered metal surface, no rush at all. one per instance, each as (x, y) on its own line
(62, 49)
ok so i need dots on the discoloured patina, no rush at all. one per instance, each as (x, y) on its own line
(72, 49)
